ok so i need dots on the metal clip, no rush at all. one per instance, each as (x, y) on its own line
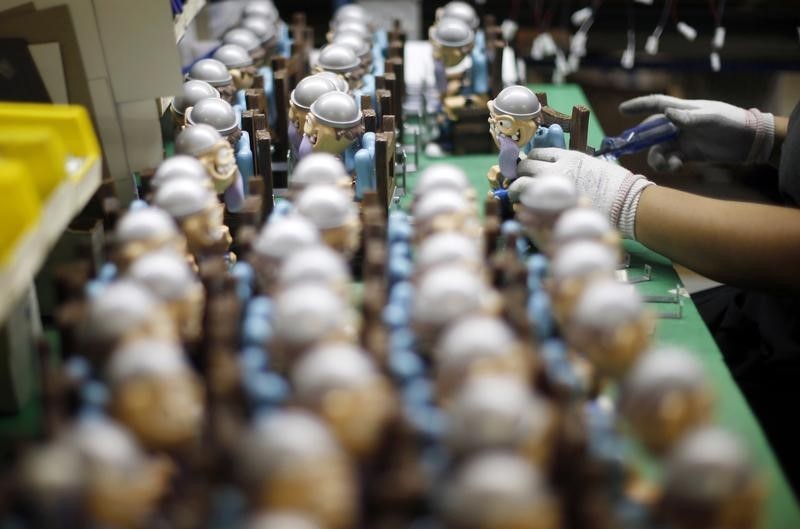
(670, 298)
(646, 276)
(671, 315)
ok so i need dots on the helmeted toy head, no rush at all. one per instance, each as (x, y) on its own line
(145, 230)
(514, 114)
(351, 12)
(448, 248)
(263, 9)
(333, 212)
(338, 80)
(248, 40)
(191, 92)
(541, 204)
(341, 60)
(319, 168)
(212, 150)
(266, 32)
(277, 241)
(583, 223)
(360, 47)
(333, 123)
(315, 264)
(308, 90)
(441, 175)
(215, 112)
(239, 64)
(462, 11)
(442, 210)
(216, 74)
(180, 166)
(452, 40)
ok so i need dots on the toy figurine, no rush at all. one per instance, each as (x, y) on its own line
(167, 275)
(500, 412)
(711, 481)
(249, 41)
(444, 210)
(180, 166)
(499, 490)
(445, 294)
(121, 313)
(334, 214)
(265, 31)
(365, 80)
(216, 74)
(302, 97)
(583, 224)
(542, 201)
(267, 11)
(342, 61)
(340, 383)
(513, 120)
(145, 230)
(448, 248)
(156, 394)
(219, 159)
(220, 115)
(277, 240)
(239, 64)
(478, 345)
(282, 520)
(198, 213)
(307, 315)
(575, 266)
(288, 460)
(315, 264)
(610, 326)
(442, 175)
(319, 168)
(191, 92)
(665, 395)
(264, 28)
(338, 80)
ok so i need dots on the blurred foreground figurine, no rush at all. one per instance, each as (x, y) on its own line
(443, 176)
(584, 224)
(282, 520)
(156, 394)
(216, 74)
(181, 166)
(445, 210)
(288, 460)
(277, 241)
(664, 397)
(513, 119)
(319, 168)
(145, 230)
(168, 276)
(711, 481)
(610, 326)
(191, 92)
(542, 201)
(332, 211)
(218, 157)
(340, 383)
(199, 215)
(302, 97)
(499, 490)
(316, 264)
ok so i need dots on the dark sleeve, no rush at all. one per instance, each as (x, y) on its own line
(789, 168)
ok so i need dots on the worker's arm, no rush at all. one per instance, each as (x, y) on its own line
(746, 244)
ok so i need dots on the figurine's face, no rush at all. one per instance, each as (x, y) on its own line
(323, 138)
(521, 131)
(205, 231)
(188, 314)
(344, 239)
(359, 415)
(297, 116)
(243, 78)
(612, 351)
(127, 498)
(164, 412)
(325, 489)
(227, 92)
(220, 163)
(127, 253)
(449, 56)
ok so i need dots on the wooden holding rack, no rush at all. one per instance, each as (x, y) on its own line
(576, 124)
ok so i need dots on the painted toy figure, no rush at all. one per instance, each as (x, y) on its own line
(289, 460)
(145, 230)
(316, 264)
(334, 214)
(445, 210)
(542, 201)
(216, 74)
(319, 168)
(246, 39)
(664, 397)
(340, 383)
(198, 213)
(265, 30)
(448, 248)
(342, 61)
(711, 481)
(181, 166)
(168, 276)
(122, 313)
(276, 242)
(513, 120)
(443, 176)
(239, 63)
(499, 490)
(302, 97)
(478, 345)
(583, 224)
(364, 78)
(191, 92)
(500, 412)
(610, 326)
(220, 115)
(156, 394)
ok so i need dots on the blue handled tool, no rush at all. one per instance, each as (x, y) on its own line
(637, 138)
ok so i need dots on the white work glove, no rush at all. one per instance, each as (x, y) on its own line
(709, 131)
(610, 188)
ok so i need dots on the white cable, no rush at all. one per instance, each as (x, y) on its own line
(687, 31)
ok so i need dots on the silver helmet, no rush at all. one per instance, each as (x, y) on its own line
(337, 80)
(606, 304)
(197, 140)
(462, 11)
(119, 308)
(338, 58)
(211, 71)
(182, 198)
(441, 175)
(453, 33)
(309, 89)
(144, 224)
(261, 8)
(330, 367)
(581, 259)
(580, 224)
(448, 248)
(353, 41)
(307, 313)
(242, 37)
(517, 101)
(549, 194)
(261, 28)
(351, 12)
(281, 237)
(356, 27)
(215, 112)
(192, 91)
(314, 264)
(166, 274)
(233, 56)
(318, 168)
(179, 166)
(326, 206)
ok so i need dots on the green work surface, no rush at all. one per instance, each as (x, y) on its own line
(781, 510)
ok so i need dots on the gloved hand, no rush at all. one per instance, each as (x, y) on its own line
(710, 131)
(610, 188)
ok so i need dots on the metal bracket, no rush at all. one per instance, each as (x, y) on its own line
(646, 276)
(669, 298)
(672, 315)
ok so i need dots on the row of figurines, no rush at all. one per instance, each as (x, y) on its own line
(247, 397)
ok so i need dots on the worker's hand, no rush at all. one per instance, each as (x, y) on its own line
(709, 131)
(609, 187)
